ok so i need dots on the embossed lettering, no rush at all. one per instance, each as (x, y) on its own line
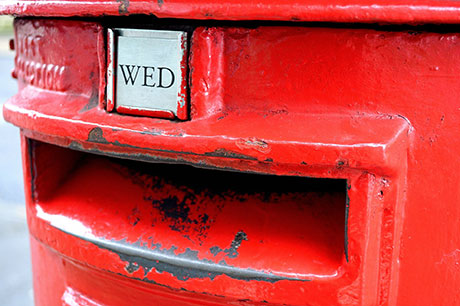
(148, 76)
(161, 69)
(31, 70)
(165, 77)
(47, 76)
(130, 70)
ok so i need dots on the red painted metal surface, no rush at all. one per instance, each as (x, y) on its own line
(388, 11)
(378, 109)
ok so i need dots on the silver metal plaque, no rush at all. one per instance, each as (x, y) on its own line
(147, 72)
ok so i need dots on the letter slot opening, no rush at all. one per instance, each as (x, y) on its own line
(192, 223)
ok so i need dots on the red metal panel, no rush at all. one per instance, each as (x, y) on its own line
(388, 11)
(50, 69)
(376, 108)
(99, 199)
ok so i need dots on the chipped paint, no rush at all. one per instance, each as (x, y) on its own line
(183, 266)
(232, 251)
(253, 143)
(96, 135)
(93, 101)
(229, 154)
(123, 7)
(333, 127)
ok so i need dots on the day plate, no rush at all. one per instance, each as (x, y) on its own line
(147, 73)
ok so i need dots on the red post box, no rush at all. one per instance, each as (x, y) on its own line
(215, 153)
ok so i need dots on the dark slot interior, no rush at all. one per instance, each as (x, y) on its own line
(216, 181)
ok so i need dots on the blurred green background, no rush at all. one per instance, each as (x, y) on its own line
(6, 25)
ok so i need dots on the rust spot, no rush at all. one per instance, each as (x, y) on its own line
(132, 267)
(134, 217)
(224, 114)
(160, 3)
(123, 7)
(97, 135)
(236, 243)
(275, 112)
(341, 163)
(228, 154)
(232, 251)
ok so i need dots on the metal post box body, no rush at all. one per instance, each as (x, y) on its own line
(371, 107)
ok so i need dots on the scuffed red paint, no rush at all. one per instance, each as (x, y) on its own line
(109, 92)
(182, 103)
(207, 86)
(253, 143)
(146, 112)
(39, 62)
(376, 108)
(171, 212)
(101, 56)
(388, 11)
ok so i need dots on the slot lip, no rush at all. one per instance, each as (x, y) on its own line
(374, 143)
(168, 237)
(124, 249)
(360, 191)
